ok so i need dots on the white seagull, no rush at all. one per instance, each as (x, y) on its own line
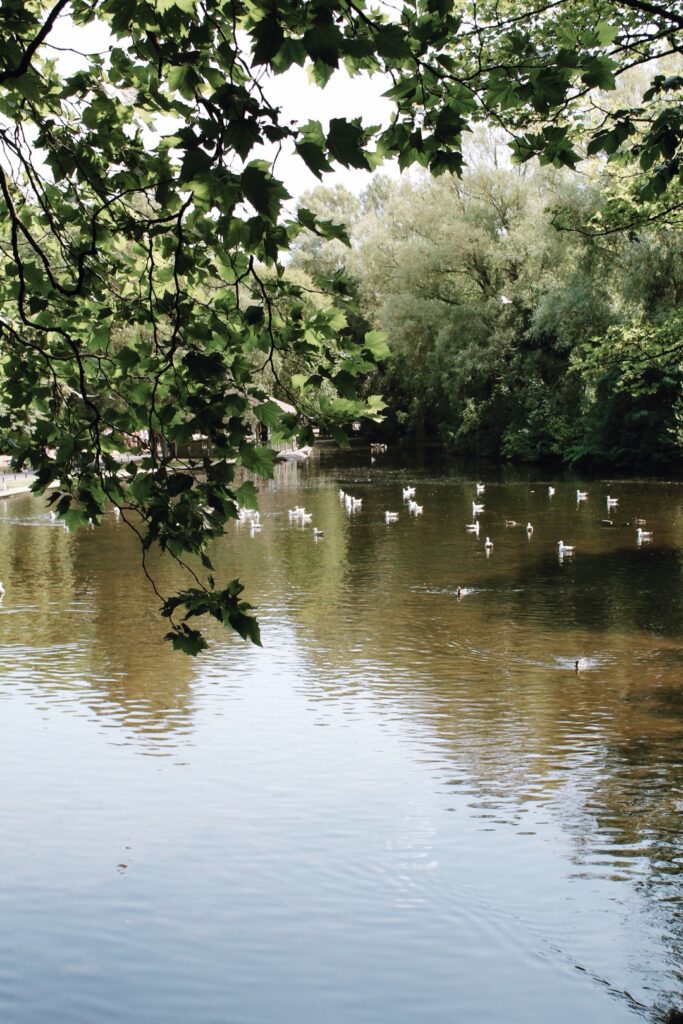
(565, 549)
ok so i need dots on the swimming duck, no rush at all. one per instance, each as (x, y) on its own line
(581, 664)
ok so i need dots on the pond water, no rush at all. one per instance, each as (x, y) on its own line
(407, 807)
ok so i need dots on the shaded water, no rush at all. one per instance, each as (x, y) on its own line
(408, 806)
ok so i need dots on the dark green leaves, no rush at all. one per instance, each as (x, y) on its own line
(268, 37)
(311, 148)
(265, 193)
(224, 605)
(346, 141)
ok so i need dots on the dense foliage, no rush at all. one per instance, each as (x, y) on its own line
(143, 297)
(510, 337)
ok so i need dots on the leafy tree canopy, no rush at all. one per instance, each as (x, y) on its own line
(143, 296)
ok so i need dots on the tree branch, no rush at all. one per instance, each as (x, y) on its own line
(23, 65)
(654, 9)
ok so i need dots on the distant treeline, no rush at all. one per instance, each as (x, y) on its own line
(521, 324)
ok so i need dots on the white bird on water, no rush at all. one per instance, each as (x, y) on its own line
(476, 509)
(551, 491)
(565, 549)
(488, 544)
(472, 528)
(390, 517)
(529, 529)
(582, 495)
(2, 591)
(581, 664)
(611, 502)
(642, 535)
(480, 488)
(408, 492)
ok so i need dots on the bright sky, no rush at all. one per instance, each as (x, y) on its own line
(299, 99)
(343, 96)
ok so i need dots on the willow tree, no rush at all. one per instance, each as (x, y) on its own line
(143, 290)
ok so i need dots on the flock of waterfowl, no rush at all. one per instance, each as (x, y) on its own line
(563, 550)
(299, 515)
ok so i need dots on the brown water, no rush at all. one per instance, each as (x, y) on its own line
(407, 807)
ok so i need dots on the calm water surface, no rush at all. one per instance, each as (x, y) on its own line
(407, 807)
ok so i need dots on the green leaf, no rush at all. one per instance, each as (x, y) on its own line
(258, 459)
(75, 518)
(269, 414)
(189, 641)
(346, 141)
(314, 157)
(265, 193)
(246, 495)
(391, 41)
(322, 43)
(606, 33)
(269, 37)
(376, 343)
